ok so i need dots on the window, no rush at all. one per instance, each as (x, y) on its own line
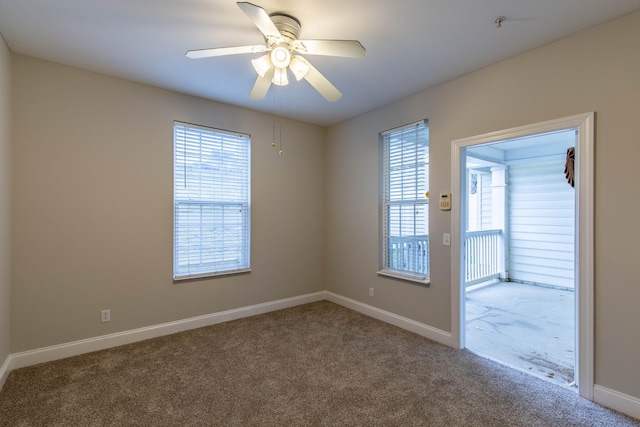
(211, 193)
(404, 206)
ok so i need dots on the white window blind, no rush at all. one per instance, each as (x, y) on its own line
(404, 206)
(211, 201)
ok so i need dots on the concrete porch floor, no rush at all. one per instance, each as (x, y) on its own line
(527, 327)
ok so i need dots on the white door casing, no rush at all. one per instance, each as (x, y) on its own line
(584, 184)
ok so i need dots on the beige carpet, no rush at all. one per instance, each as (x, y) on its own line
(314, 365)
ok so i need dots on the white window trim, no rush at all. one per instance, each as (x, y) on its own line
(214, 273)
(386, 271)
(402, 275)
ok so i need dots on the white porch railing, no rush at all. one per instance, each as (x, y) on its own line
(409, 253)
(483, 255)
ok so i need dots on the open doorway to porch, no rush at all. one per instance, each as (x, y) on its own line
(520, 254)
(582, 127)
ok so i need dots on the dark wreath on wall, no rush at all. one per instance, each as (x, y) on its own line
(568, 165)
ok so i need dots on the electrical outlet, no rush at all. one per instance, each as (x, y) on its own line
(105, 316)
(371, 292)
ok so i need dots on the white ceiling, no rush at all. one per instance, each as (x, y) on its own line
(411, 44)
(523, 148)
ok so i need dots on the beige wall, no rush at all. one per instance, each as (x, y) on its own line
(92, 208)
(596, 70)
(5, 200)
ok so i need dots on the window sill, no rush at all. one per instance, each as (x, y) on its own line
(422, 280)
(209, 275)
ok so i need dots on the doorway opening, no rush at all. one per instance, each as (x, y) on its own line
(540, 262)
(519, 297)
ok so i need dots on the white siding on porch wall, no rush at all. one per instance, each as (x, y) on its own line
(486, 202)
(541, 224)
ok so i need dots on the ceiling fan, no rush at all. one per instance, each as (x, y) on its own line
(281, 33)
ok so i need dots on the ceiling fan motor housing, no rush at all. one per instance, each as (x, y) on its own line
(288, 26)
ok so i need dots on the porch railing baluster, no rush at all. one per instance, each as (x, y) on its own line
(482, 252)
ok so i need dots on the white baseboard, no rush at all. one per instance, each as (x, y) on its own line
(5, 370)
(75, 348)
(615, 400)
(426, 331)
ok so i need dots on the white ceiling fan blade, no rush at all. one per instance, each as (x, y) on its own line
(261, 20)
(262, 85)
(322, 85)
(221, 51)
(345, 48)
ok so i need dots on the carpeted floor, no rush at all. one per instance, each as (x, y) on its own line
(313, 365)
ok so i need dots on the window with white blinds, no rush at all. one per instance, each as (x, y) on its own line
(404, 213)
(211, 201)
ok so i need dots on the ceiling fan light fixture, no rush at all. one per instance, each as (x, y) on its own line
(262, 65)
(280, 77)
(299, 67)
(280, 57)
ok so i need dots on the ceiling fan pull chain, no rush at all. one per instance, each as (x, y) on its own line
(280, 120)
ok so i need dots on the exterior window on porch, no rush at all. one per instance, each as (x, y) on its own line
(484, 239)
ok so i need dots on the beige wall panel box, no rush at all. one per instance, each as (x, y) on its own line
(445, 201)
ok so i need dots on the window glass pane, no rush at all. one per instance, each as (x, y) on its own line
(211, 201)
